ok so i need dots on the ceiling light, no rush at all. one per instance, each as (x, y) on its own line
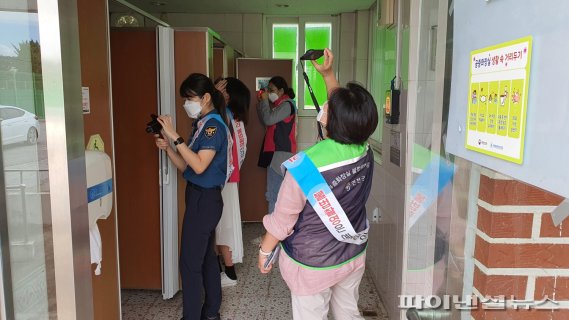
(158, 4)
(281, 5)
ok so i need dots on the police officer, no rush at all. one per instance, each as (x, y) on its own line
(205, 166)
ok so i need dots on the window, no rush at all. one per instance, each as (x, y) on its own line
(11, 113)
(285, 46)
(317, 36)
(290, 38)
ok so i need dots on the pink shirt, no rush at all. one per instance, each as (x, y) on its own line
(301, 281)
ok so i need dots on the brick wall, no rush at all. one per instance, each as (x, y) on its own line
(518, 251)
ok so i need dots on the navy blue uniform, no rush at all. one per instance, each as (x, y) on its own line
(204, 205)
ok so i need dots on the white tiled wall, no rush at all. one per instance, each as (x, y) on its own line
(347, 48)
(362, 46)
(253, 35)
(307, 132)
(354, 47)
(243, 32)
(385, 239)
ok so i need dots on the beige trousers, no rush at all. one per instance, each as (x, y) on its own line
(342, 298)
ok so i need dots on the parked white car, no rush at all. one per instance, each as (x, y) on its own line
(18, 125)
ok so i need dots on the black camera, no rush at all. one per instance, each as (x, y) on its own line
(312, 54)
(154, 126)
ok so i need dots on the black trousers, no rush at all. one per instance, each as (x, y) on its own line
(198, 261)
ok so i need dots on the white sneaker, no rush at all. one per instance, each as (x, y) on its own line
(226, 281)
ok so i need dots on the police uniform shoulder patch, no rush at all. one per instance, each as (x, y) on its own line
(210, 131)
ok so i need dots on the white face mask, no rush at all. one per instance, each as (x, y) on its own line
(322, 116)
(273, 97)
(193, 109)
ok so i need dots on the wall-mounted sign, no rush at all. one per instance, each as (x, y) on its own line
(85, 99)
(497, 99)
(541, 146)
(96, 143)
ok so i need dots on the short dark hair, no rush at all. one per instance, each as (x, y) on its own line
(352, 114)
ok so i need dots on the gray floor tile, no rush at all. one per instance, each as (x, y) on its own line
(256, 296)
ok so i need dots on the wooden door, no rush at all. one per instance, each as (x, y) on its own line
(192, 53)
(253, 184)
(135, 96)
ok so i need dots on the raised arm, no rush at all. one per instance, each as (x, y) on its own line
(270, 116)
(325, 69)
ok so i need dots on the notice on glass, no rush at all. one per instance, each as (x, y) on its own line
(497, 100)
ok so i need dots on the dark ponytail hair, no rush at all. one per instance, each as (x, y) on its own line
(280, 83)
(239, 99)
(197, 85)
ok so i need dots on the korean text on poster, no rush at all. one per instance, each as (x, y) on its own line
(497, 99)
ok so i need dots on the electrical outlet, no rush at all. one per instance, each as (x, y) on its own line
(375, 215)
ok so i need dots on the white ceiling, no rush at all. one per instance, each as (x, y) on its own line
(267, 7)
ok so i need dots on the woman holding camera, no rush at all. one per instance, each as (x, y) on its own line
(279, 144)
(320, 217)
(206, 165)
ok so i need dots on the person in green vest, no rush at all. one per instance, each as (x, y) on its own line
(320, 217)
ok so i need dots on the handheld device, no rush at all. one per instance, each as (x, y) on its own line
(312, 54)
(260, 93)
(272, 257)
(154, 126)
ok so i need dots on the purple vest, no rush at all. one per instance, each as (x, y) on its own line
(311, 244)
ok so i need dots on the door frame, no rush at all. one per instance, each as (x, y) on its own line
(168, 172)
(59, 34)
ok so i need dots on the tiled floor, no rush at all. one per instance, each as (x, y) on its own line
(256, 296)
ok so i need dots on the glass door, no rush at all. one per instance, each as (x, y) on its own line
(26, 231)
(43, 217)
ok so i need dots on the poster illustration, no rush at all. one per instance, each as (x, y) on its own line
(497, 99)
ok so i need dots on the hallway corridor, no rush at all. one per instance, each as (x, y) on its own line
(256, 296)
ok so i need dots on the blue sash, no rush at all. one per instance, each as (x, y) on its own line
(323, 200)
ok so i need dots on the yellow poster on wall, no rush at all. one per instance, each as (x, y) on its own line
(497, 99)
